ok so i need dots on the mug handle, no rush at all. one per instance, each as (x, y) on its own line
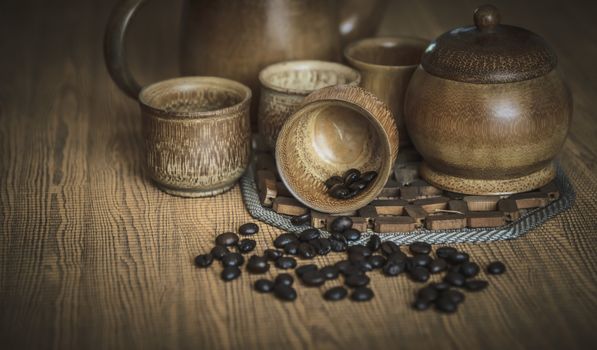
(114, 52)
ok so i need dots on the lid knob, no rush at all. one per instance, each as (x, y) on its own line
(486, 17)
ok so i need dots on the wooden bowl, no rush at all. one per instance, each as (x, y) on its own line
(336, 129)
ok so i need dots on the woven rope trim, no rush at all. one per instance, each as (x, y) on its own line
(512, 230)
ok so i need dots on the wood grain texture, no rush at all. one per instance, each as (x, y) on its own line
(93, 256)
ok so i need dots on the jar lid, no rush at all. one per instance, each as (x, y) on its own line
(488, 52)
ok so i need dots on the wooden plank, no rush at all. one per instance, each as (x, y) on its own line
(445, 222)
(288, 206)
(485, 219)
(385, 224)
(282, 189)
(481, 203)
(318, 219)
(509, 208)
(431, 204)
(417, 213)
(458, 205)
(530, 200)
(388, 207)
(391, 189)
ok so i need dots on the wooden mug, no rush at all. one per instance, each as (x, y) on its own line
(386, 65)
(197, 134)
(285, 85)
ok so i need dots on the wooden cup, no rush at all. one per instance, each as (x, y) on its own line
(335, 129)
(285, 85)
(197, 134)
(386, 66)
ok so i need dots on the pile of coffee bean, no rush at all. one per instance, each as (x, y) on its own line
(350, 184)
(459, 273)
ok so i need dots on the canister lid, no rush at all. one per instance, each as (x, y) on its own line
(488, 52)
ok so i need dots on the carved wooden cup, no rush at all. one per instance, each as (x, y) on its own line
(335, 129)
(285, 85)
(197, 134)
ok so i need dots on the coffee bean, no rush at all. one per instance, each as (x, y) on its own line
(322, 245)
(388, 248)
(330, 272)
(469, 269)
(283, 292)
(453, 295)
(301, 270)
(301, 219)
(343, 265)
(356, 280)
(445, 305)
(264, 286)
(308, 234)
(334, 180)
(219, 252)
(335, 293)
(421, 260)
(440, 286)
(369, 176)
(438, 265)
(351, 234)
(454, 278)
(337, 245)
(248, 229)
(292, 248)
(421, 304)
(358, 186)
(233, 259)
(286, 262)
(427, 293)
(393, 268)
(341, 224)
(284, 239)
(246, 245)
(475, 285)
(377, 261)
(306, 251)
(204, 260)
(356, 257)
(374, 243)
(351, 175)
(363, 265)
(272, 254)
(284, 279)
(397, 256)
(496, 268)
(230, 272)
(313, 278)
(445, 252)
(359, 249)
(339, 191)
(419, 248)
(227, 239)
(362, 294)
(458, 258)
(257, 264)
(352, 270)
(419, 274)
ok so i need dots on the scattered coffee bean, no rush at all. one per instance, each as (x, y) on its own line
(393, 268)
(334, 180)
(359, 249)
(362, 294)
(313, 278)
(377, 261)
(422, 260)
(227, 239)
(419, 248)
(246, 245)
(374, 243)
(330, 272)
(369, 176)
(445, 252)
(284, 239)
(351, 235)
(453, 295)
(337, 245)
(284, 279)
(301, 270)
(397, 256)
(257, 264)
(351, 175)
(204, 260)
(306, 251)
(440, 286)
(341, 224)
(273, 254)
(427, 293)
(438, 265)
(322, 245)
(444, 304)
(469, 269)
(335, 293)
(233, 259)
(475, 285)
(308, 234)
(219, 252)
(496, 268)
(301, 219)
(357, 280)
(343, 266)
(421, 304)
(454, 278)
(286, 262)
(292, 248)
(339, 191)
(458, 258)
(419, 274)
(363, 265)
(352, 270)
(264, 286)
(248, 229)
(230, 272)
(283, 292)
(388, 248)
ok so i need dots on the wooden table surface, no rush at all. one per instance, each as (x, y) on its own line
(92, 255)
